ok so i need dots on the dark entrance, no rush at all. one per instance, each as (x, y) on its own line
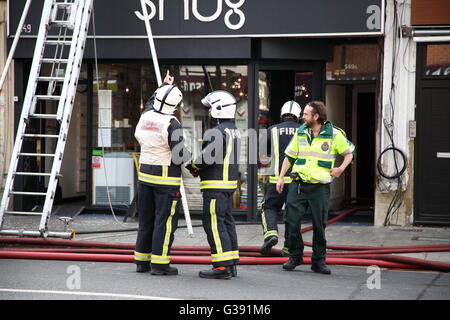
(365, 145)
(276, 85)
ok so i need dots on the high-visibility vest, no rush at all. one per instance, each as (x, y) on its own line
(313, 158)
(155, 161)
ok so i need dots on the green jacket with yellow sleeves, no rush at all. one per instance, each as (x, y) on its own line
(312, 158)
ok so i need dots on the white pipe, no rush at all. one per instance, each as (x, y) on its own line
(151, 42)
(158, 78)
(430, 33)
(14, 45)
(431, 39)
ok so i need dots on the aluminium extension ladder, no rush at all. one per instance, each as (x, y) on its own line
(64, 26)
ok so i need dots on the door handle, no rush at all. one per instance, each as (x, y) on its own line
(443, 155)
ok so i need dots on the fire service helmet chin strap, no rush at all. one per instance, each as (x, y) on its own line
(167, 99)
(222, 103)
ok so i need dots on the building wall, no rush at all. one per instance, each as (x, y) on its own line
(6, 102)
(397, 107)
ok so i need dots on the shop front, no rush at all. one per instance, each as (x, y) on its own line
(262, 52)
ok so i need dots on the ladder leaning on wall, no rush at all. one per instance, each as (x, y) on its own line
(56, 66)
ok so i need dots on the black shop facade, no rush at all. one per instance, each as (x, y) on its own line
(263, 52)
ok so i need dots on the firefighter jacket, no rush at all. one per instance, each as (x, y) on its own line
(278, 138)
(162, 149)
(218, 162)
(312, 158)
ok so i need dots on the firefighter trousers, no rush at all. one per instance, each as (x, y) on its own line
(220, 228)
(158, 209)
(271, 207)
(317, 197)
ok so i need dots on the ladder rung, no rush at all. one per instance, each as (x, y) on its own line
(51, 60)
(44, 116)
(43, 174)
(24, 213)
(48, 97)
(58, 42)
(36, 154)
(38, 135)
(28, 193)
(64, 4)
(61, 79)
(62, 23)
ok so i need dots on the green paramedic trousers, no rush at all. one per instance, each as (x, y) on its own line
(317, 197)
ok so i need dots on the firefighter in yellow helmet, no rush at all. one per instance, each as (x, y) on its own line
(312, 153)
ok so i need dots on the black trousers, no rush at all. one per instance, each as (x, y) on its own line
(158, 209)
(271, 207)
(220, 228)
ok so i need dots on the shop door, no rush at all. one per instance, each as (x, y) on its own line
(432, 154)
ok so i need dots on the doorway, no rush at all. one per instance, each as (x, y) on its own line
(351, 107)
(365, 145)
(432, 153)
(275, 87)
(432, 142)
(278, 86)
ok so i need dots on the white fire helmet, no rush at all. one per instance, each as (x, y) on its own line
(167, 99)
(222, 104)
(291, 107)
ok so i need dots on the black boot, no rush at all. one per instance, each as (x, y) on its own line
(233, 270)
(216, 273)
(292, 263)
(141, 268)
(164, 271)
(268, 244)
(320, 268)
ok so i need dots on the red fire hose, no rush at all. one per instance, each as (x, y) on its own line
(51, 249)
(10, 254)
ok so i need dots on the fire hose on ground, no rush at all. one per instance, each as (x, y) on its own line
(79, 250)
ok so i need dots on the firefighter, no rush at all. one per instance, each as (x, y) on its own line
(159, 132)
(312, 153)
(217, 166)
(278, 137)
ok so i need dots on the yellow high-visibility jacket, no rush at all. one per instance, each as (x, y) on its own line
(311, 158)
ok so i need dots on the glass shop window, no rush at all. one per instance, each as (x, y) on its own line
(195, 81)
(355, 62)
(117, 103)
(120, 95)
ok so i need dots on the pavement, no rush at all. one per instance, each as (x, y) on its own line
(83, 280)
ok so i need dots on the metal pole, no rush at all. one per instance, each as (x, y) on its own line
(151, 42)
(14, 45)
(158, 78)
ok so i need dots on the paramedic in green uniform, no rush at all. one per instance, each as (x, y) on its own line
(312, 153)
